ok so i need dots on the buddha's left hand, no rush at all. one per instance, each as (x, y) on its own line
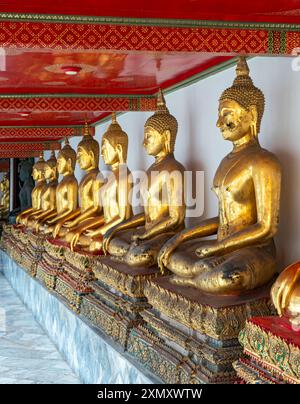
(209, 249)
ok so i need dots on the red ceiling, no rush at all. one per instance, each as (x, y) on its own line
(116, 73)
(38, 71)
(256, 10)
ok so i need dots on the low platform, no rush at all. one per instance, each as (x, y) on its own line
(194, 334)
(93, 357)
(118, 298)
(272, 349)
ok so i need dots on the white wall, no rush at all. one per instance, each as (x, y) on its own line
(200, 145)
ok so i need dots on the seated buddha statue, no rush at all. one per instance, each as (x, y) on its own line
(48, 203)
(66, 191)
(89, 187)
(37, 192)
(285, 294)
(247, 184)
(137, 241)
(114, 194)
(4, 202)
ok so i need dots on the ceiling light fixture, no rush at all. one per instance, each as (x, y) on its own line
(71, 70)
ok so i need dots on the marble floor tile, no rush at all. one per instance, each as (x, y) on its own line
(27, 355)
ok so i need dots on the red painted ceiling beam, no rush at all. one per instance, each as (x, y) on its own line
(9, 149)
(30, 103)
(201, 36)
(37, 133)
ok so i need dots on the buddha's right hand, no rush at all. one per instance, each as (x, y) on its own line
(283, 287)
(166, 251)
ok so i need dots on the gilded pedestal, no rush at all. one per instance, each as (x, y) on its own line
(51, 263)
(272, 350)
(193, 335)
(16, 243)
(73, 282)
(118, 298)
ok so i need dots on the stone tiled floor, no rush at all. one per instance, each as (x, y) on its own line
(27, 355)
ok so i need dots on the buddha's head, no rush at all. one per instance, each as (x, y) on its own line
(51, 168)
(4, 184)
(114, 144)
(66, 159)
(38, 170)
(160, 130)
(241, 106)
(88, 151)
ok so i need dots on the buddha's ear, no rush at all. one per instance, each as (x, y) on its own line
(254, 116)
(253, 111)
(167, 135)
(69, 161)
(119, 150)
(92, 155)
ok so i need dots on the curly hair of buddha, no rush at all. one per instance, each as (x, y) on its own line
(68, 153)
(40, 164)
(89, 144)
(244, 92)
(162, 120)
(115, 135)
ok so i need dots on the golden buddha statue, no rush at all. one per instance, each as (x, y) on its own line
(48, 202)
(247, 184)
(89, 188)
(4, 202)
(66, 191)
(38, 174)
(137, 241)
(285, 294)
(114, 194)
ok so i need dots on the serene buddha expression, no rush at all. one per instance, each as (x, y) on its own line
(37, 174)
(63, 165)
(155, 142)
(109, 152)
(234, 121)
(49, 172)
(85, 158)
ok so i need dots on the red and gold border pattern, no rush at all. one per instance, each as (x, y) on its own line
(19, 154)
(37, 132)
(68, 103)
(27, 149)
(206, 37)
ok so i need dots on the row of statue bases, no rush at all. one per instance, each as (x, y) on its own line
(230, 275)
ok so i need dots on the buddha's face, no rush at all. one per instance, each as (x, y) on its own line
(62, 164)
(109, 152)
(85, 158)
(234, 121)
(36, 174)
(154, 142)
(49, 172)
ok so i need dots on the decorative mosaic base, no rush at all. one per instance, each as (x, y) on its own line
(194, 332)
(51, 264)
(33, 251)
(118, 298)
(92, 356)
(74, 281)
(272, 350)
